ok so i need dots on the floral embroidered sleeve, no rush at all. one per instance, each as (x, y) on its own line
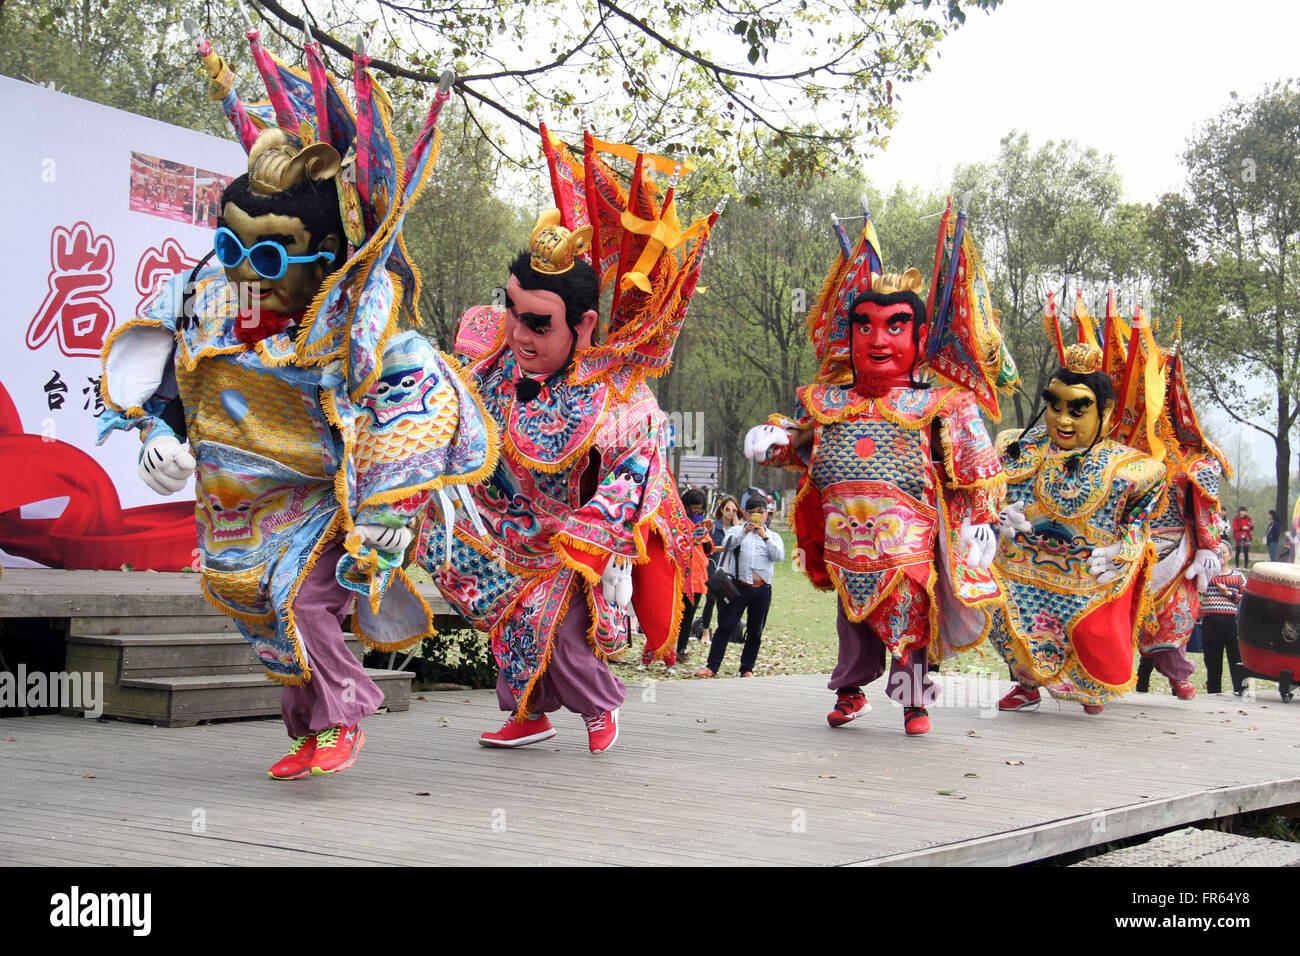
(633, 482)
(1146, 492)
(973, 466)
(1204, 478)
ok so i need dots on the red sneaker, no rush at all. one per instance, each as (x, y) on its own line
(297, 762)
(916, 721)
(602, 730)
(337, 749)
(519, 733)
(1093, 709)
(1020, 698)
(1184, 689)
(850, 704)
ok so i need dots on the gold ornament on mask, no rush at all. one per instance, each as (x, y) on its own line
(890, 282)
(276, 164)
(552, 247)
(1083, 358)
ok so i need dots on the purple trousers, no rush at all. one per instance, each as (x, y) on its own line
(862, 660)
(1172, 662)
(339, 692)
(574, 677)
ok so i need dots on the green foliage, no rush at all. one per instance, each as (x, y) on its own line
(688, 76)
(1228, 250)
(450, 657)
(462, 233)
(1045, 218)
(124, 54)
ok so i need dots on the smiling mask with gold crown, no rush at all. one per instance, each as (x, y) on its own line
(285, 367)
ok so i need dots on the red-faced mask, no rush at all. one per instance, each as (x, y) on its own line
(884, 348)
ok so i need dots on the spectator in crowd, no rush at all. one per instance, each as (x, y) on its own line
(1272, 534)
(756, 550)
(1243, 533)
(725, 515)
(1219, 603)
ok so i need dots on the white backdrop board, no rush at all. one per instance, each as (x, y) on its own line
(99, 206)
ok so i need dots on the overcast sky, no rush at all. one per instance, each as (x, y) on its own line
(1130, 77)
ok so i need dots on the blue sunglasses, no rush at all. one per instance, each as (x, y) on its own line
(269, 259)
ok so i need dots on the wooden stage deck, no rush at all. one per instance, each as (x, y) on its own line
(704, 772)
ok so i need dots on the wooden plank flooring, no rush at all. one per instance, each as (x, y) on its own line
(704, 772)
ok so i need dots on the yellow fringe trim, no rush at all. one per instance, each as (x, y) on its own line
(290, 628)
(135, 411)
(521, 706)
(403, 644)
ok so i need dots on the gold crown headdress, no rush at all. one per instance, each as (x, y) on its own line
(275, 163)
(1082, 358)
(552, 247)
(891, 282)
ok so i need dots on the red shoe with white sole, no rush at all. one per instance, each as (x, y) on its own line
(1020, 698)
(337, 749)
(1184, 689)
(850, 704)
(1093, 709)
(519, 733)
(602, 730)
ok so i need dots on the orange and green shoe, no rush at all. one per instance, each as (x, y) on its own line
(337, 749)
(297, 762)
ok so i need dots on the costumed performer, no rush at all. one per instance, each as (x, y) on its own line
(900, 484)
(582, 514)
(1184, 532)
(315, 427)
(1074, 554)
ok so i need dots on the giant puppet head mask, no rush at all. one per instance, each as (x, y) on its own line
(1080, 400)
(887, 329)
(281, 232)
(552, 298)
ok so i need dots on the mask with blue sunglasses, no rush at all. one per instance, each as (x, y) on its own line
(269, 259)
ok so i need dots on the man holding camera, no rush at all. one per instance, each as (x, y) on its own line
(750, 552)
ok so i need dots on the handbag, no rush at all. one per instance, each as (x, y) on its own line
(721, 584)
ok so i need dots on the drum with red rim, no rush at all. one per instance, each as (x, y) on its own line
(1268, 623)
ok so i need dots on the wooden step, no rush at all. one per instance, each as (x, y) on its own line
(130, 656)
(213, 623)
(184, 701)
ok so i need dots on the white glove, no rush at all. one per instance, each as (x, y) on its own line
(1103, 563)
(1205, 565)
(616, 582)
(980, 542)
(1012, 519)
(165, 465)
(384, 538)
(761, 439)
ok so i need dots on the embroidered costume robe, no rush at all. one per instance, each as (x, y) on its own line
(1061, 628)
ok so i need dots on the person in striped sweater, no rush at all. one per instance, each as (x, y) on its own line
(1219, 603)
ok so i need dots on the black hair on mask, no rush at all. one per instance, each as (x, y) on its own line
(579, 288)
(1101, 386)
